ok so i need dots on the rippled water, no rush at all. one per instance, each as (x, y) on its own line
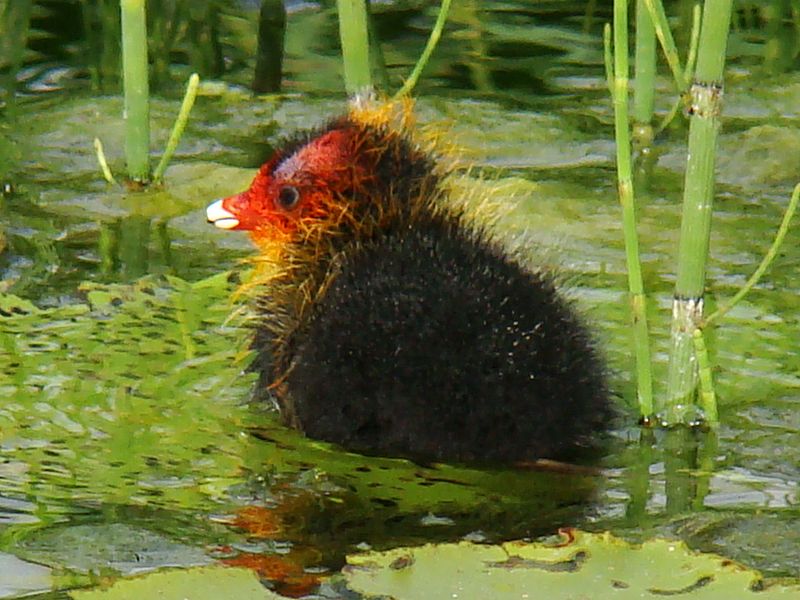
(125, 441)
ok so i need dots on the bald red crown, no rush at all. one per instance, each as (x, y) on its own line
(299, 185)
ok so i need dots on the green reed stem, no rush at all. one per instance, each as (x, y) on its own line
(763, 266)
(691, 60)
(694, 42)
(436, 33)
(706, 106)
(180, 125)
(708, 397)
(137, 110)
(354, 35)
(659, 18)
(608, 59)
(644, 82)
(670, 116)
(626, 196)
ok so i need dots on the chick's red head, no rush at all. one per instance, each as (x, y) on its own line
(303, 183)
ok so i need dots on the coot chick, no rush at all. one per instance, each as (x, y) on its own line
(390, 322)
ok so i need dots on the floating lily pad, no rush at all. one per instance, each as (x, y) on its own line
(581, 565)
(117, 547)
(206, 583)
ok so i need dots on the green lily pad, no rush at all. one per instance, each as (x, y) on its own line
(114, 547)
(581, 565)
(205, 583)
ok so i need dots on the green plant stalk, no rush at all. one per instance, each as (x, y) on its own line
(641, 342)
(644, 83)
(608, 60)
(694, 41)
(436, 33)
(659, 18)
(708, 397)
(687, 313)
(354, 35)
(691, 59)
(101, 158)
(180, 125)
(134, 69)
(763, 266)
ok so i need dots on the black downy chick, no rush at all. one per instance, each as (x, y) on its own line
(392, 324)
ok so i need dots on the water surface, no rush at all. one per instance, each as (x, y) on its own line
(127, 444)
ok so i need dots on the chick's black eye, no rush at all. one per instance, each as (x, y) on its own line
(288, 197)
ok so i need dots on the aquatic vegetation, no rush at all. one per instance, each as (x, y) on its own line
(123, 419)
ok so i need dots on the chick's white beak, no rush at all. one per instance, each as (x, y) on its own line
(216, 214)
